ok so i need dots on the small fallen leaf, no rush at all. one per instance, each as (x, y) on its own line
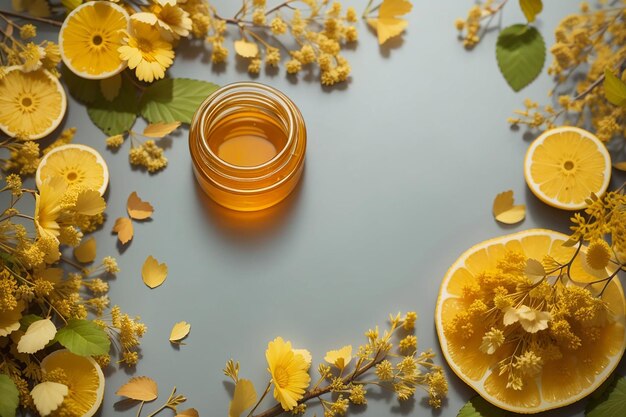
(89, 203)
(531, 8)
(140, 388)
(244, 397)
(190, 412)
(620, 166)
(86, 251)
(137, 208)
(179, 331)
(48, 396)
(505, 212)
(153, 273)
(124, 229)
(246, 49)
(534, 268)
(388, 25)
(37, 336)
(159, 130)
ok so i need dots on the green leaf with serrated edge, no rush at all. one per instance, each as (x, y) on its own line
(9, 397)
(612, 403)
(479, 407)
(84, 338)
(614, 89)
(531, 8)
(83, 90)
(174, 99)
(118, 115)
(521, 53)
(27, 320)
(599, 392)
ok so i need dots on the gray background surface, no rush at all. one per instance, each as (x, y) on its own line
(403, 163)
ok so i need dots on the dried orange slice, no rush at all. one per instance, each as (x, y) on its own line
(78, 165)
(564, 166)
(561, 381)
(83, 377)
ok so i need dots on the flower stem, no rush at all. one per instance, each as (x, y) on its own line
(267, 389)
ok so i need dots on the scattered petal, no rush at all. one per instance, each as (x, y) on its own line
(158, 130)
(48, 396)
(179, 331)
(340, 358)
(124, 229)
(246, 49)
(137, 208)
(388, 25)
(153, 273)
(37, 336)
(245, 396)
(140, 388)
(86, 251)
(505, 212)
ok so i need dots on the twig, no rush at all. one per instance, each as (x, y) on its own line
(36, 19)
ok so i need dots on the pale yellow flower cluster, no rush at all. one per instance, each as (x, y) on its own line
(471, 28)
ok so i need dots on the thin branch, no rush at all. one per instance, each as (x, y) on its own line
(34, 18)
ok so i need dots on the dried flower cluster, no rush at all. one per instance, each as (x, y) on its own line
(346, 376)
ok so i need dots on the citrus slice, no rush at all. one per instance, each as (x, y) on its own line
(561, 380)
(563, 166)
(83, 377)
(89, 39)
(78, 165)
(32, 104)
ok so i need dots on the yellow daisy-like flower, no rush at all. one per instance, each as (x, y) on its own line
(90, 37)
(168, 16)
(32, 104)
(48, 206)
(289, 373)
(598, 254)
(147, 52)
(340, 358)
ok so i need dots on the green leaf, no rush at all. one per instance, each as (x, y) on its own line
(478, 407)
(614, 89)
(86, 91)
(118, 115)
(612, 403)
(521, 53)
(531, 8)
(174, 99)
(9, 397)
(84, 337)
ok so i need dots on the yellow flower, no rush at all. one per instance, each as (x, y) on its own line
(77, 167)
(89, 39)
(492, 340)
(147, 52)
(48, 206)
(289, 373)
(340, 358)
(32, 104)
(531, 320)
(168, 16)
(598, 254)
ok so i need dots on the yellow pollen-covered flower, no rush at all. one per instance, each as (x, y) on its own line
(598, 254)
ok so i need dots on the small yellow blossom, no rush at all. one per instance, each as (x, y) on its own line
(532, 320)
(147, 52)
(288, 371)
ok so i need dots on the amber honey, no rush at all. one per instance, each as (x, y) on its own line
(247, 144)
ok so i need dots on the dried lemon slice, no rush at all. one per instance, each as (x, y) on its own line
(564, 166)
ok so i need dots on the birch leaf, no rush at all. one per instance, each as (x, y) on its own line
(153, 273)
(159, 130)
(137, 208)
(48, 396)
(140, 388)
(9, 396)
(179, 331)
(505, 211)
(244, 398)
(124, 229)
(37, 336)
(246, 49)
(86, 251)
(110, 87)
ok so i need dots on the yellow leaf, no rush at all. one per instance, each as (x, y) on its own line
(110, 87)
(246, 49)
(37, 336)
(388, 25)
(505, 212)
(244, 397)
(153, 273)
(340, 358)
(614, 89)
(48, 396)
(534, 268)
(140, 388)
(620, 166)
(89, 203)
(86, 251)
(190, 412)
(179, 331)
(158, 130)
(137, 208)
(531, 8)
(124, 229)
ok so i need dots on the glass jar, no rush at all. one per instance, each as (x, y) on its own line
(247, 143)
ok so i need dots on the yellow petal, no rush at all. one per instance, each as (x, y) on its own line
(620, 166)
(179, 331)
(190, 412)
(245, 396)
(505, 212)
(89, 203)
(137, 208)
(246, 49)
(140, 388)
(110, 87)
(124, 229)
(153, 273)
(158, 130)
(305, 354)
(387, 28)
(48, 396)
(394, 8)
(145, 17)
(37, 336)
(86, 251)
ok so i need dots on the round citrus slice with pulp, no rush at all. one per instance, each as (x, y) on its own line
(84, 379)
(502, 333)
(78, 165)
(89, 38)
(565, 165)
(32, 104)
